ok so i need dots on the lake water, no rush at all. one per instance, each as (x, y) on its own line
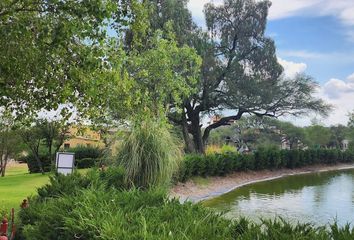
(317, 198)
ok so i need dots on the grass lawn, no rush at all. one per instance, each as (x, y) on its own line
(17, 185)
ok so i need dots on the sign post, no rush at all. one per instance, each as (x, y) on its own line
(65, 162)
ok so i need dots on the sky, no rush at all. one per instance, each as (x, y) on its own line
(315, 37)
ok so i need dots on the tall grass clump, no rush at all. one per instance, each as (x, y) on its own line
(149, 155)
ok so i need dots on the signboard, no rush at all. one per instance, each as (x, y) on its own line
(65, 162)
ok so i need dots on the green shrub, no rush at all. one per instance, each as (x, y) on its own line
(97, 213)
(82, 152)
(100, 214)
(228, 149)
(264, 158)
(33, 164)
(60, 185)
(86, 163)
(149, 155)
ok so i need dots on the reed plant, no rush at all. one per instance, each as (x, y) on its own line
(149, 154)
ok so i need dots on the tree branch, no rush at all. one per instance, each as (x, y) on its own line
(222, 122)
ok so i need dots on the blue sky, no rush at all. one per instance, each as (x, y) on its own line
(315, 37)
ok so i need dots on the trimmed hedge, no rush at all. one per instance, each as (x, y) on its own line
(263, 158)
(82, 152)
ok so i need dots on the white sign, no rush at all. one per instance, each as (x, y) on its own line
(65, 162)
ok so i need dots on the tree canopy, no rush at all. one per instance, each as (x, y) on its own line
(240, 72)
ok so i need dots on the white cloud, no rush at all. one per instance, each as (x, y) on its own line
(197, 7)
(351, 78)
(339, 93)
(335, 88)
(342, 9)
(292, 68)
(287, 8)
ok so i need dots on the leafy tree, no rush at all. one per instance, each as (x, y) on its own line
(32, 138)
(51, 52)
(318, 136)
(239, 72)
(292, 133)
(53, 134)
(350, 133)
(338, 134)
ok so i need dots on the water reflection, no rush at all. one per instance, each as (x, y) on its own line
(318, 198)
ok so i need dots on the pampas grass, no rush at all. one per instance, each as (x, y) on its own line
(149, 155)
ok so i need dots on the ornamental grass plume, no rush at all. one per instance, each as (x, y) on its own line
(149, 154)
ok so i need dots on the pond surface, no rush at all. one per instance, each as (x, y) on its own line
(317, 198)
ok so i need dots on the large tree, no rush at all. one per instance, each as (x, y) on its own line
(240, 72)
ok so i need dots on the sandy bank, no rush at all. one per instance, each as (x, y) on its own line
(199, 189)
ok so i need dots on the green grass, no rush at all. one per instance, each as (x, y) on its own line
(17, 185)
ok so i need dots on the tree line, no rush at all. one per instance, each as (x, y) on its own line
(257, 132)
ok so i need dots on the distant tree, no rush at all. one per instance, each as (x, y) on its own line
(318, 136)
(53, 134)
(350, 133)
(10, 144)
(338, 134)
(32, 138)
(292, 133)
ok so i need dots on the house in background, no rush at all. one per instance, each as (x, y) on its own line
(82, 136)
(345, 144)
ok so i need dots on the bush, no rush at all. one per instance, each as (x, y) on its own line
(101, 214)
(33, 165)
(87, 163)
(97, 213)
(82, 152)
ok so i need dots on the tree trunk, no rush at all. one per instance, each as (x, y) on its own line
(35, 151)
(196, 132)
(40, 166)
(4, 164)
(187, 140)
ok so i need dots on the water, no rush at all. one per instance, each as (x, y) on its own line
(317, 198)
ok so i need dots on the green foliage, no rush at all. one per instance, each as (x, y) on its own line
(44, 42)
(87, 163)
(228, 149)
(97, 213)
(263, 158)
(33, 164)
(60, 185)
(82, 152)
(102, 214)
(149, 155)
(318, 136)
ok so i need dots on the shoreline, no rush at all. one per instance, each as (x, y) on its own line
(199, 189)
